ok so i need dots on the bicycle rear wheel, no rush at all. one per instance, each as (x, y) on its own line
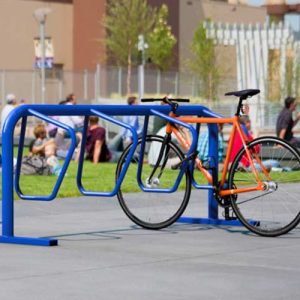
(153, 210)
(276, 209)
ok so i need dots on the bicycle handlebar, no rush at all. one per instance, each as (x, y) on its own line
(164, 100)
(172, 102)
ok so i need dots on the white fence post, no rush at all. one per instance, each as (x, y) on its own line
(120, 81)
(33, 87)
(97, 83)
(296, 62)
(193, 86)
(61, 89)
(158, 81)
(176, 90)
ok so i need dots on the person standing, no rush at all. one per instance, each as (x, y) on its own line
(285, 122)
(71, 99)
(11, 102)
(75, 122)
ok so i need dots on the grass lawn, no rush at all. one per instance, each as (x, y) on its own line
(95, 178)
(101, 178)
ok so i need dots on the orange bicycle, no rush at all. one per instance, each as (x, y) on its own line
(264, 199)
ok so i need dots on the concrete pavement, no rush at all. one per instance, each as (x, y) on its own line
(103, 255)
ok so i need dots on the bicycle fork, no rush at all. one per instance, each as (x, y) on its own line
(165, 148)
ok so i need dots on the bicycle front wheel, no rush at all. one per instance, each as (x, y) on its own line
(153, 209)
(276, 209)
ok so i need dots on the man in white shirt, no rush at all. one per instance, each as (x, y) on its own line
(9, 106)
(75, 122)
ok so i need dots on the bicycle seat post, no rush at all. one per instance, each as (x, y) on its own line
(243, 95)
(239, 107)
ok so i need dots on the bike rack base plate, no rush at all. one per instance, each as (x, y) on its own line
(28, 241)
(209, 221)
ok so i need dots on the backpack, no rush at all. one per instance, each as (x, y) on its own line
(35, 165)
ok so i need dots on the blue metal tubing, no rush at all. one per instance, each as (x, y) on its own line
(213, 207)
(61, 110)
(20, 148)
(124, 169)
(82, 152)
(213, 155)
(113, 110)
(209, 221)
(64, 168)
(214, 159)
(28, 241)
(142, 151)
(184, 166)
(7, 177)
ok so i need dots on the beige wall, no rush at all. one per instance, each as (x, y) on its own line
(223, 12)
(235, 2)
(193, 12)
(190, 15)
(18, 27)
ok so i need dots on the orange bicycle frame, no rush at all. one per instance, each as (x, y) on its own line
(236, 128)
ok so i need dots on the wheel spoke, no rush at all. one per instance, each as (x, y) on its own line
(276, 210)
(151, 207)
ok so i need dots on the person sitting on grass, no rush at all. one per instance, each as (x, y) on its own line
(45, 147)
(96, 147)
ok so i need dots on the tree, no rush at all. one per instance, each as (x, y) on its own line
(124, 22)
(161, 41)
(204, 63)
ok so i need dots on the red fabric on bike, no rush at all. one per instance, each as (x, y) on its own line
(238, 145)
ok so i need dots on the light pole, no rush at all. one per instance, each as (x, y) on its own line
(141, 71)
(40, 15)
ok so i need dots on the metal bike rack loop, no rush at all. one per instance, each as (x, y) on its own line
(107, 112)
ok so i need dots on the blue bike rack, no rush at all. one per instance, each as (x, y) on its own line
(106, 112)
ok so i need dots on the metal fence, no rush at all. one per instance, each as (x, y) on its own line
(107, 85)
(106, 82)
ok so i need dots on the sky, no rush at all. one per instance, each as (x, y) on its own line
(261, 2)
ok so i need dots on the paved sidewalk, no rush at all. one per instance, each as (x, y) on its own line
(102, 255)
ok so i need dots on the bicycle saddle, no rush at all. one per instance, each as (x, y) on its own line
(244, 93)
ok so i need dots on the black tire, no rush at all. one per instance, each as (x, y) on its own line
(153, 210)
(275, 210)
